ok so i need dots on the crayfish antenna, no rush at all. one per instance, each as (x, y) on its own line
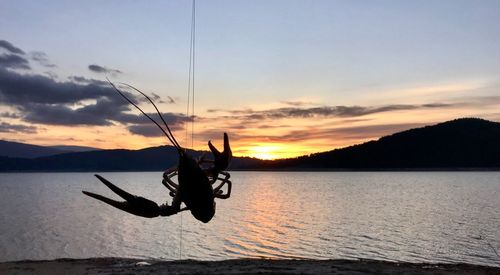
(169, 135)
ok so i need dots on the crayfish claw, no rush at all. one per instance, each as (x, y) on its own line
(135, 205)
(120, 192)
(221, 160)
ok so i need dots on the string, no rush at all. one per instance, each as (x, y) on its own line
(190, 97)
(193, 36)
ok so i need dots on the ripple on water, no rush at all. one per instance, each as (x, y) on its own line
(417, 217)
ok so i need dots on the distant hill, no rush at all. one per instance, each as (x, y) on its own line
(148, 159)
(458, 144)
(74, 148)
(466, 143)
(22, 150)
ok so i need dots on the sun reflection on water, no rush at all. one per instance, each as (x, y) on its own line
(270, 225)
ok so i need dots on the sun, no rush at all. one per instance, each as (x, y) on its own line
(266, 156)
(272, 151)
(264, 152)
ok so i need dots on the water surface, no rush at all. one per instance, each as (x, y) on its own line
(406, 216)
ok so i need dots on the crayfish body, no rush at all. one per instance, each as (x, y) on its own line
(194, 183)
(195, 189)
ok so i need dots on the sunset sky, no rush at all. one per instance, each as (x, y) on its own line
(283, 78)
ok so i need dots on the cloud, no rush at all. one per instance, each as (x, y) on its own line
(40, 99)
(298, 103)
(12, 61)
(77, 101)
(16, 128)
(100, 69)
(234, 112)
(84, 80)
(10, 48)
(24, 89)
(145, 130)
(59, 114)
(478, 100)
(42, 59)
(331, 135)
(9, 115)
(51, 74)
(155, 97)
(436, 105)
(148, 129)
(357, 132)
(323, 111)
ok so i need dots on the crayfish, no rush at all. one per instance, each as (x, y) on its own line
(195, 180)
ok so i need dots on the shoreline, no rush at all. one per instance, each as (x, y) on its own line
(235, 266)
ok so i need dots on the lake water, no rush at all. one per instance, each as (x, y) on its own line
(406, 216)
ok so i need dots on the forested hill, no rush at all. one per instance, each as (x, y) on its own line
(148, 159)
(458, 144)
(22, 150)
(462, 143)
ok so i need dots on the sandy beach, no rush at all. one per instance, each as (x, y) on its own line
(240, 266)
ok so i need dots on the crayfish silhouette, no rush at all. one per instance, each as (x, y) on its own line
(196, 179)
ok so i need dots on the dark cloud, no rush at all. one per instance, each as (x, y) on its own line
(10, 48)
(21, 89)
(13, 61)
(436, 105)
(323, 111)
(84, 80)
(51, 74)
(16, 128)
(80, 79)
(42, 59)
(148, 129)
(100, 69)
(156, 97)
(41, 99)
(9, 115)
(78, 101)
(145, 130)
(100, 113)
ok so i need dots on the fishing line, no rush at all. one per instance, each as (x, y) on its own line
(193, 52)
(190, 97)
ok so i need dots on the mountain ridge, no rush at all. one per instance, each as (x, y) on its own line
(459, 143)
(24, 150)
(467, 143)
